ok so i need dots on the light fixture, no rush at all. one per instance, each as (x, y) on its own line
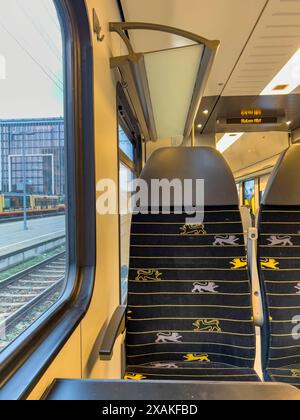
(205, 112)
(199, 126)
(287, 80)
(228, 140)
(289, 122)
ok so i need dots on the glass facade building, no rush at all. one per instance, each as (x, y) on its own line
(32, 150)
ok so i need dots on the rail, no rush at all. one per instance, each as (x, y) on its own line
(26, 290)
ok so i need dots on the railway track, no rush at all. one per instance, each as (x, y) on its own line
(22, 294)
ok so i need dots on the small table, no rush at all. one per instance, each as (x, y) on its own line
(103, 390)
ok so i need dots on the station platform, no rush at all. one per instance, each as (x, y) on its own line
(14, 238)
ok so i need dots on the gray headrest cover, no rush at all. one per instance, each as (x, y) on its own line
(195, 163)
(283, 188)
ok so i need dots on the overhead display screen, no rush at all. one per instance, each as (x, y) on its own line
(254, 120)
(252, 117)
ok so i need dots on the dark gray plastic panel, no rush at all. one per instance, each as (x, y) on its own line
(194, 163)
(283, 188)
(89, 390)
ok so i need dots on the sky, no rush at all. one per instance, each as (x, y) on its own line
(31, 69)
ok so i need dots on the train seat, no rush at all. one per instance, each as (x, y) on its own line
(279, 254)
(189, 313)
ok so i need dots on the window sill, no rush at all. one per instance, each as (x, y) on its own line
(47, 346)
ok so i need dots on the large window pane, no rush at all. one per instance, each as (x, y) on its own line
(249, 195)
(32, 164)
(126, 176)
(125, 144)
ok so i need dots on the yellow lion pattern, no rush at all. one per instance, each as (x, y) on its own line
(239, 263)
(134, 377)
(148, 275)
(195, 230)
(269, 264)
(207, 325)
(192, 357)
(295, 373)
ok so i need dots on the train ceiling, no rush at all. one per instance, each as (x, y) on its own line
(257, 37)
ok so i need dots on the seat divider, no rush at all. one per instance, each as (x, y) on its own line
(258, 315)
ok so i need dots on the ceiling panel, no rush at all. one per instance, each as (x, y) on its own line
(274, 41)
(228, 21)
(255, 148)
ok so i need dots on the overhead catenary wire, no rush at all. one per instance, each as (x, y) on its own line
(52, 78)
(53, 19)
(42, 33)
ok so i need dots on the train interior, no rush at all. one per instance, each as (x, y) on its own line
(199, 296)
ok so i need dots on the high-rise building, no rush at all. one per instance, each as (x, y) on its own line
(32, 150)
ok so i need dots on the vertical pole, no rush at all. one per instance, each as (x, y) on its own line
(193, 136)
(256, 196)
(24, 183)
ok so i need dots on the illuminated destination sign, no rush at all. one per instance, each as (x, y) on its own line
(252, 113)
(252, 117)
(254, 120)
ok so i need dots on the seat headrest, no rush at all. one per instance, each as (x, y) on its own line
(283, 188)
(195, 163)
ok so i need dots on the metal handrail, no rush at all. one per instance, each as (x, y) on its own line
(122, 27)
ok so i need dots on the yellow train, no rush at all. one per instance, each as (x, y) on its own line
(12, 205)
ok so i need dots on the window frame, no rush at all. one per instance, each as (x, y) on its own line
(28, 357)
(128, 122)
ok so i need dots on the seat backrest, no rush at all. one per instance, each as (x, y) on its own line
(279, 261)
(189, 292)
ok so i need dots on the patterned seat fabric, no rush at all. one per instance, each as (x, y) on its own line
(279, 253)
(288, 374)
(189, 303)
(191, 371)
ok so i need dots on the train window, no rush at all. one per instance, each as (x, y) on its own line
(126, 176)
(249, 195)
(127, 173)
(32, 166)
(126, 145)
(129, 168)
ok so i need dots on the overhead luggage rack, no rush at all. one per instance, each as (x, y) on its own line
(165, 86)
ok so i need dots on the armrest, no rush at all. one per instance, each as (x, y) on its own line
(258, 315)
(115, 327)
